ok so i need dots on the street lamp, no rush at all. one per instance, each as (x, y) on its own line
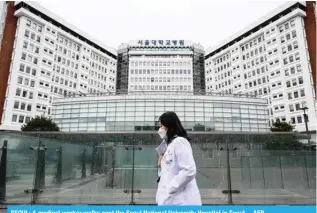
(306, 121)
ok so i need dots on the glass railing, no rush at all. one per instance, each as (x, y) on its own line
(120, 168)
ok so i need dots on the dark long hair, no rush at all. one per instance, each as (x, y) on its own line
(174, 126)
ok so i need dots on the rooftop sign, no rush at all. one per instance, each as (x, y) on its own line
(161, 42)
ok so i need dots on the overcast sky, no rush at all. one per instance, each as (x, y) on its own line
(117, 21)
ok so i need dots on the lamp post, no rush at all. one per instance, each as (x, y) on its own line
(306, 125)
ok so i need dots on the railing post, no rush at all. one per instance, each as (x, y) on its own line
(101, 159)
(229, 191)
(133, 168)
(83, 163)
(59, 166)
(228, 173)
(113, 163)
(279, 158)
(250, 176)
(42, 168)
(39, 182)
(3, 172)
(132, 188)
(306, 170)
(93, 159)
(263, 174)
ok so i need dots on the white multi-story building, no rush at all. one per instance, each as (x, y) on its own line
(160, 65)
(50, 59)
(271, 59)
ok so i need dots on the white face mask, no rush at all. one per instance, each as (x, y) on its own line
(162, 132)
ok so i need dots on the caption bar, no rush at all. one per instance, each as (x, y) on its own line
(160, 209)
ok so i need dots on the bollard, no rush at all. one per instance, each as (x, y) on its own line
(3, 172)
(59, 166)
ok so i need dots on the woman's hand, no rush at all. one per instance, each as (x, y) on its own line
(159, 160)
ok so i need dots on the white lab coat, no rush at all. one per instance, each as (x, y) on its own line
(177, 185)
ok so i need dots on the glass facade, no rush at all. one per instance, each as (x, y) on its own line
(141, 112)
(199, 71)
(122, 71)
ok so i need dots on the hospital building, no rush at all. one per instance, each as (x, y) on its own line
(265, 72)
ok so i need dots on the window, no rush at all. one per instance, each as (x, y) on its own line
(24, 93)
(288, 36)
(25, 44)
(28, 23)
(294, 34)
(291, 108)
(22, 106)
(285, 61)
(292, 70)
(29, 107)
(289, 48)
(28, 70)
(291, 59)
(294, 82)
(29, 59)
(288, 84)
(21, 119)
(16, 105)
(300, 80)
(295, 44)
(299, 119)
(295, 94)
(20, 79)
(299, 68)
(293, 120)
(297, 58)
(282, 39)
(22, 67)
(26, 81)
(14, 118)
(18, 92)
(27, 119)
(32, 83)
(302, 93)
(23, 57)
(27, 33)
(292, 23)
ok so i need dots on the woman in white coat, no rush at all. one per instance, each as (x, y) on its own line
(177, 169)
